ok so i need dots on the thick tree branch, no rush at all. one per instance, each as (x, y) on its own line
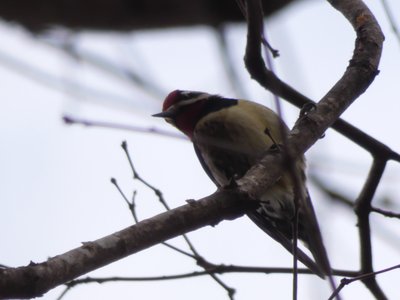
(271, 82)
(36, 279)
(358, 76)
(122, 15)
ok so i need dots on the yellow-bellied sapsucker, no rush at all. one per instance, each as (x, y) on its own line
(229, 137)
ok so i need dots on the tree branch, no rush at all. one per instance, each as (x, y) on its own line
(36, 279)
(360, 73)
(363, 27)
(357, 77)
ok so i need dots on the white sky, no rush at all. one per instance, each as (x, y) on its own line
(54, 179)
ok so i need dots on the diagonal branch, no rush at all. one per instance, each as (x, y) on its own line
(36, 279)
(363, 210)
(360, 73)
(357, 77)
(271, 82)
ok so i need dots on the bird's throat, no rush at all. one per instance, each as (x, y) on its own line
(188, 118)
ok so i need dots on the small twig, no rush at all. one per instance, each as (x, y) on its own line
(274, 52)
(213, 269)
(136, 176)
(69, 86)
(332, 194)
(151, 130)
(131, 204)
(295, 240)
(261, 72)
(362, 209)
(199, 259)
(114, 182)
(158, 193)
(391, 18)
(121, 72)
(233, 77)
(179, 250)
(347, 281)
(385, 212)
(210, 269)
(64, 292)
(231, 291)
(253, 20)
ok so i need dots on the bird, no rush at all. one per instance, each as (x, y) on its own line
(229, 137)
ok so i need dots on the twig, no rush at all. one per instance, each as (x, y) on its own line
(215, 269)
(331, 193)
(391, 18)
(65, 85)
(291, 165)
(257, 69)
(385, 212)
(158, 193)
(295, 242)
(101, 63)
(363, 209)
(179, 250)
(341, 198)
(199, 259)
(131, 204)
(267, 45)
(256, 35)
(363, 277)
(234, 80)
(136, 176)
(152, 130)
(64, 292)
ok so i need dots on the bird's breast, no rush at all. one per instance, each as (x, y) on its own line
(227, 148)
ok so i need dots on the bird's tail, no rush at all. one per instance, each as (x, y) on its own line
(313, 238)
(268, 228)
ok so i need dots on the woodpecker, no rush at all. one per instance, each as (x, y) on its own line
(229, 137)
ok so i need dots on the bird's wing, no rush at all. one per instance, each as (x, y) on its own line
(204, 165)
(268, 228)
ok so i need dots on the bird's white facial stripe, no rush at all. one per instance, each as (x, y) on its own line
(188, 101)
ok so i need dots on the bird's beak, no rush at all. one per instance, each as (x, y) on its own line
(165, 114)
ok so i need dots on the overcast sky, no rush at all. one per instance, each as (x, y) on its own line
(55, 186)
